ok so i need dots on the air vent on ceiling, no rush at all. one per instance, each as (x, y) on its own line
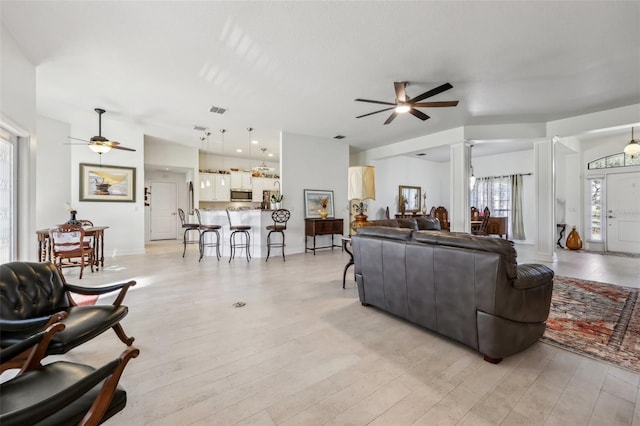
(339, 137)
(421, 154)
(200, 128)
(217, 110)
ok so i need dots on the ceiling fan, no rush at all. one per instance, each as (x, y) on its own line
(99, 143)
(405, 104)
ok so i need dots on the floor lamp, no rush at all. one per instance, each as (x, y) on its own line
(362, 187)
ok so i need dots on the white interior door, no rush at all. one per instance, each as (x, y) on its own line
(623, 212)
(163, 211)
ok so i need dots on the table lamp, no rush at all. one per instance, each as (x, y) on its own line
(362, 187)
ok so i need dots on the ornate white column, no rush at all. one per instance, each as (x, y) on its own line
(459, 208)
(544, 175)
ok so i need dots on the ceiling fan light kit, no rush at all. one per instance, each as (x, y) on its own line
(99, 144)
(404, 104)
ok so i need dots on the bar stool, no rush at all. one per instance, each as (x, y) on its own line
(280, 218)
(187, 228)
(204, 229)
(235, 230)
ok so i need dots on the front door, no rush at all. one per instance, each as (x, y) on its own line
(623, 212)
(163, 210)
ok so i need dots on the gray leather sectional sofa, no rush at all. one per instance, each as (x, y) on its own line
(463, 286)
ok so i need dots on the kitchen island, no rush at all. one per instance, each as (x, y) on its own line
(256, 218)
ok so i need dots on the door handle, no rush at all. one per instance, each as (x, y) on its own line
(611, 217)
(173, 214)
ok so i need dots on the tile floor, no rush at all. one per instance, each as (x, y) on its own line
(303, 351)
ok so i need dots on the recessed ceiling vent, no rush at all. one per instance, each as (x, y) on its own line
(200, 128)
(339, 137)
(421, 154)
(217, 110)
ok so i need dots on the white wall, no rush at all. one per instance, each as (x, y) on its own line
(432, 177)
(53, 173)
(312, 163)
(126, 233)
(18, 108)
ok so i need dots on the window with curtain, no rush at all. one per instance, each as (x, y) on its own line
(503, 196)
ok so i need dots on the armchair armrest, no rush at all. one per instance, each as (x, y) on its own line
(531, 276)
(16, 354)
(123, 287)
(30, 325)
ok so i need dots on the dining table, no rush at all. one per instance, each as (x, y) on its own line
(97, 232)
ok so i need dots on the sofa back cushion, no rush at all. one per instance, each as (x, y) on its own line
(31, 290)
(426, 223)
(473, 242)
(385, 232)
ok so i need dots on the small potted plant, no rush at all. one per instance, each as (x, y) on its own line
(276, 200)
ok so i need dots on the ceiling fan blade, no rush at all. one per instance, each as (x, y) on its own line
(78, 139)
(374, 102)
(435, 104)
(400, 86)
(375, 112)
(124, 148)
(391, 117)
(431, 92)
(421, 115)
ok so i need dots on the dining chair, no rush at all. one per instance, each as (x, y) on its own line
(280, 218)
(188, 227)
(204, 230)
(482, 230)
(443, 216)
(236, 230)
(68, 248)
(475, 214)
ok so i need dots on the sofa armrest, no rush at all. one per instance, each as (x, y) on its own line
(532, 275)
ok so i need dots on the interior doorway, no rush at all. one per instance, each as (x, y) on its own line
(623, 212)
(163, 210)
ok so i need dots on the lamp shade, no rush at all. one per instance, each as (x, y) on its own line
(362, 183)
(99, 148)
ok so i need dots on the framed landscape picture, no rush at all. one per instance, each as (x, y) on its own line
(107, 183)
(313, 200)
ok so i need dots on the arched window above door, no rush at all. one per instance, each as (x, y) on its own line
(615, 160)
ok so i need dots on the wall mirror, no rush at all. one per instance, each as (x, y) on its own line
(411, 195)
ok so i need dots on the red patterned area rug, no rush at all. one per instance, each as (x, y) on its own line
(597, 320)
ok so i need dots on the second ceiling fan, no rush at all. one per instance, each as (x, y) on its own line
(405, 104)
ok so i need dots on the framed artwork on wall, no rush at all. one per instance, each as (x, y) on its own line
(107, 183)
(315, 200)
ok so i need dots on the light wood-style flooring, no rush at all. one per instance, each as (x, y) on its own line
(303, 351)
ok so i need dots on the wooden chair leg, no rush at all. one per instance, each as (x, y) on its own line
(121, 334)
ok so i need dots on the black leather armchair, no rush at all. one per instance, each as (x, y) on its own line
(35, 295)
(60, 393)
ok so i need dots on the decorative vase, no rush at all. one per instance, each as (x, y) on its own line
(73, 220)
(324, 213)
(573, 240)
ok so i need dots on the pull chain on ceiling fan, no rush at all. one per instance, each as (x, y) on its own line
(405, 104)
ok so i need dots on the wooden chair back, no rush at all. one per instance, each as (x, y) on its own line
(68, 247)
(475, 214)
(443, 216)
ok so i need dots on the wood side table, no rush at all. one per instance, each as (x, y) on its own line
(314, 227)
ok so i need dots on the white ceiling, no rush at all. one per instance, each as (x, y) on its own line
(298, 66)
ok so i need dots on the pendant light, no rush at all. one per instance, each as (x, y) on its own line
(222, 179)
(633, 147)
(263, 168)
(207, 182)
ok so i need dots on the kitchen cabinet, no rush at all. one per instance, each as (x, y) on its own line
(215, 191)
(240, 180)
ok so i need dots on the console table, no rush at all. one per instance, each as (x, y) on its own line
(314, 227)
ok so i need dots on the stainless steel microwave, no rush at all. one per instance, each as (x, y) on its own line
(241, 195)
